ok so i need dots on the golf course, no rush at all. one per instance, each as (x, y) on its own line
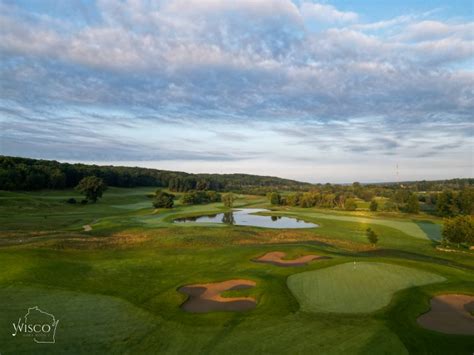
(122, 276)
(236, 177)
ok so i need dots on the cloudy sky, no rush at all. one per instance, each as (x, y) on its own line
(330, 91)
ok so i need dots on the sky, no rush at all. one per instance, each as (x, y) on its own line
(328, 91)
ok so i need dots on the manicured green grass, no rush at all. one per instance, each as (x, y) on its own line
(421, 230)
(114, 289)
(355, 287)
(87, 322)
(127, 300)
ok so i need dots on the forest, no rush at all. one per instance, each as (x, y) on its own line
(32, 174)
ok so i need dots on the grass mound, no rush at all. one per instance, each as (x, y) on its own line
(355, 288)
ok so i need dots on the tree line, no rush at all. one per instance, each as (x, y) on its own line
(447, 203)
(33, 174)
(444, 197)
(162, 199)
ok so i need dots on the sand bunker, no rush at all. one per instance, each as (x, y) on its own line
(87, 228)
(205, 298)
(275, 258)
(450, 314)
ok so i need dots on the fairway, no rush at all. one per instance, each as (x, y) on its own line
(91, 322)
(421, 230)
(355, 287)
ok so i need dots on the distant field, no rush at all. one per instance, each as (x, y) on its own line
(355, 287)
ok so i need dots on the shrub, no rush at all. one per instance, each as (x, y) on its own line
(200, 197)
(374, 206)
(163, 200)
(390, 206)
(275, 198)
(372, 236)
(350, 205)
(459, 230)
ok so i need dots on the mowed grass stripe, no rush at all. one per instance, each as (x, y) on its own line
(355, 288)
(421, 230)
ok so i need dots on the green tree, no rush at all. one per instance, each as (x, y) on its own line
(92, 187)
(350, 205)
(372, 236)
(327, 200)
(373, 205)
(446, 204)
(275, 198)
(357, 188)
(163, 200)
(465, 201)
(200, 197)
(214, 196)
(57, 179)
(228, 200)
(459, 230)
(202, 185)
(413, 206)
(188, 198)
(294, 199)
(309, 199)
(401, 197)
(390, 206)
(367, 194)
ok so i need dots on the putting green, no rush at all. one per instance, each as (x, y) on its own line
(354, 288)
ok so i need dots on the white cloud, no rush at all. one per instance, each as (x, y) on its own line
(433, 30)
(399, 20)
(445, 50)
(256, 8)
(326, 13)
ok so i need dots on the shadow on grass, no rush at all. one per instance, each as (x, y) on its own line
(401, 319)
(415, 256)
(432, 230)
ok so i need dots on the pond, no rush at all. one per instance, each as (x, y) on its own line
(247, 217)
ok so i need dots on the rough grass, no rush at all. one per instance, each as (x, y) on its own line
(358, 287)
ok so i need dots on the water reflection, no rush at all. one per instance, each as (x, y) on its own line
(247, 217)
(228, 218)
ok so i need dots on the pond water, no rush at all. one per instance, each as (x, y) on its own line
(247, 217)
